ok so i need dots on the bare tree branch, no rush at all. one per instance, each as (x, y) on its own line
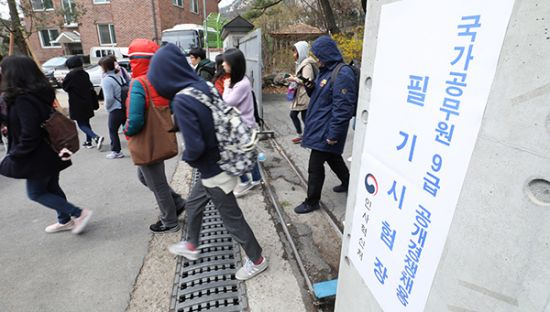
(260, 7)
(6, 24)
(266, 6)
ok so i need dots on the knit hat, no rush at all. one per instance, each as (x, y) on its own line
(74, 62)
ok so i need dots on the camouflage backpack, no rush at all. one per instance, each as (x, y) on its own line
(236, 140)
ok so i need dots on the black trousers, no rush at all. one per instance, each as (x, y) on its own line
(316, 172)
(296, 120)
(117, 118)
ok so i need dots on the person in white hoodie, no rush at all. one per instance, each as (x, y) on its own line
(306, 69)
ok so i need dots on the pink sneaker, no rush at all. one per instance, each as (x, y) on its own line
(58, 227)
(297, 140)
(81, 222)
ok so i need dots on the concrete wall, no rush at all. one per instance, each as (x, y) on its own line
(232, 40)
(498, 247)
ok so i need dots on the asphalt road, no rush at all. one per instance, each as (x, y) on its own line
(94, 271)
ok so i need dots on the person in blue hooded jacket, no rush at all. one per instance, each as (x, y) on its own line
(169, 73)
(331, 107)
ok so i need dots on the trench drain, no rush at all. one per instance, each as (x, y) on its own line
(209, 283)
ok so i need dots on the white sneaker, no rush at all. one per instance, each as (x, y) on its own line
(242, 188)
(181, 249)
(81, 222)
(256, 183)
(58, 227)
(249, 270)
(114, 155)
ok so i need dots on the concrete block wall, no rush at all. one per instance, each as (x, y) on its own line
(498, 247)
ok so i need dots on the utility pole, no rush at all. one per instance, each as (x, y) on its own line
(205, 29)
(155, 27)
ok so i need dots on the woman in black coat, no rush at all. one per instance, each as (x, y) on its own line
(29, 98)
(82, 100)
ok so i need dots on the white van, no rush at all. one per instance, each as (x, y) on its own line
(96, 53)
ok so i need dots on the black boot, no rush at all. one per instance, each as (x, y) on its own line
(342, 188)
(306, 208)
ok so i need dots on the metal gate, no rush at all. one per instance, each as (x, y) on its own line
(251, 46)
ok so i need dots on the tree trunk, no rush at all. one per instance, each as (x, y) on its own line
(329, 17)
(20, 46)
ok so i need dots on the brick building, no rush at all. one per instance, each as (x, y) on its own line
(107, 22)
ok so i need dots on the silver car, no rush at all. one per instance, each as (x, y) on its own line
(51, 66)
(96, 75)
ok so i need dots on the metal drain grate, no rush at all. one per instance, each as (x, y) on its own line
(208, 283)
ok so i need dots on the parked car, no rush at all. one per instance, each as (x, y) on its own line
(96, 74)
(50, 66)
(59, 74)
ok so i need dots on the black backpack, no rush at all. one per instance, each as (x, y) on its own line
(355, 66)
(209, 68)
(124, 90)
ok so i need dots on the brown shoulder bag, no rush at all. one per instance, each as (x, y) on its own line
(61, 131)
(154, 142)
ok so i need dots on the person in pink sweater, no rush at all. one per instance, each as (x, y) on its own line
(238, 93)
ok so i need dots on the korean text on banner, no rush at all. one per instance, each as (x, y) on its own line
(435, 63)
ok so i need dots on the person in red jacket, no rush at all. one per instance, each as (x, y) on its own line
(220, 76)
(170, 203)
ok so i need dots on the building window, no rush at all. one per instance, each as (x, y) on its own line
(47, 36)
(178, 3)
(41, 5)
(195, 6)
(101, 1)
(106, 34)
(69, 10)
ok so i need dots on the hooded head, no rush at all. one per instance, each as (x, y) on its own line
(74, 62)
(302, 48)
(140, 52)
(170, 72)
(326, 50)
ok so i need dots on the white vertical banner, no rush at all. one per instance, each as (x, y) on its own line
(435, 64)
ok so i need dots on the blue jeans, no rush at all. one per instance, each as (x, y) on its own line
(84, 125)
(256, 176)
(47, 192)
